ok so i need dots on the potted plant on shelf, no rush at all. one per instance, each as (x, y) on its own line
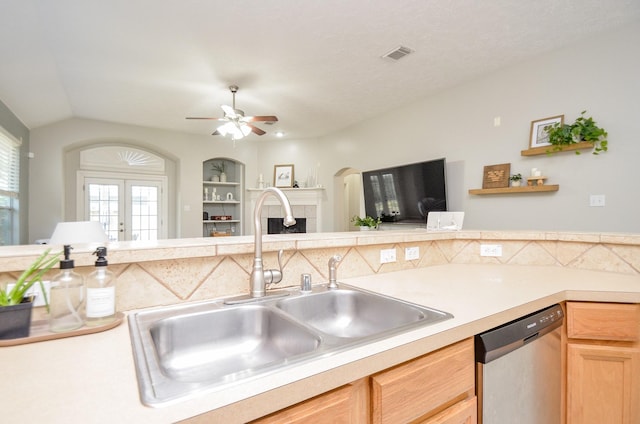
(220, 168)
(366, 223)
(583, 129)
(515, 180)
(15, 308)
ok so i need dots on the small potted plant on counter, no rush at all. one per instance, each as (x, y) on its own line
(366, 223)
(15, 307)
(583, 129)
(516, 180)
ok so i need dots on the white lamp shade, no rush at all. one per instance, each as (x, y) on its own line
(78, 232)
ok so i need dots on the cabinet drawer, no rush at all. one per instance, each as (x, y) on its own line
(414, 389)
(346, 404)
(603, 321)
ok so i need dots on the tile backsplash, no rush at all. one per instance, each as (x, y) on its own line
(180, 278)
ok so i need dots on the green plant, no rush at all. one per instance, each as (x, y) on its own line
(367, 221)
(516, 177)
(583, 129)
(219, 167)
(28, 278)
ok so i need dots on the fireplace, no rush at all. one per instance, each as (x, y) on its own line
(275, 226)
(306, 205)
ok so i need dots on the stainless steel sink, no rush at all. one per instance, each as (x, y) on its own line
(217, 345)
(183, 350)
(351, 314)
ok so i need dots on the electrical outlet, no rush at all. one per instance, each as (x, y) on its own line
(411, 253)
(491, 250)
(387, 256)
(36, 292)
(596, 200)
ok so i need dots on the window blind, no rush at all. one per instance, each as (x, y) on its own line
(9, 166)
(9, 189)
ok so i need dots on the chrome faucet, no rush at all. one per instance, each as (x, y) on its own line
(259, 277)
(333, 283)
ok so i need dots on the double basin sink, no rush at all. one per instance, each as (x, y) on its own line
(183, 350)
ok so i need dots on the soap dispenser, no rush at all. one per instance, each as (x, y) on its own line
(66, 297)
(101, 292)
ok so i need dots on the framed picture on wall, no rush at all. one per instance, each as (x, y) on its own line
(496, 176)
(539, 137)
(283, 176)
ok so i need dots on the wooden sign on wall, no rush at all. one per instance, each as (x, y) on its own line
(496, 176)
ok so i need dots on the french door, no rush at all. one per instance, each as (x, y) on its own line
(128, 208)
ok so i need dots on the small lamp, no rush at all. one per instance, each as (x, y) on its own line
(78, 232)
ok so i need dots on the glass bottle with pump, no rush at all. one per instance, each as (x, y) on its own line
(67, 297)
(101, 292)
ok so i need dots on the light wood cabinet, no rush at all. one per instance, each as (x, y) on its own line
(347, 404)
(464, 412)
(425, 386)
(437, 388)
(603, 363)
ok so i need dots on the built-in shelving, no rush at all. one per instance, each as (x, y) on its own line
(513, 190)
(549, 149)
(231, 188)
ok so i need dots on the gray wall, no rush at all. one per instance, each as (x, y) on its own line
(16, 128)
(598, 74)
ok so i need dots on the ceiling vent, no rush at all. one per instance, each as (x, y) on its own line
(398, 53)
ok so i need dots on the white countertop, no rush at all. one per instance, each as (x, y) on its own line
(92, 378)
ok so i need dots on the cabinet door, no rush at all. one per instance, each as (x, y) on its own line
(425, 385)
(465, 412)
(603, 384)
(347, 404)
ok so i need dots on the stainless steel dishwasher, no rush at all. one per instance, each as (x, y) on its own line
(519, 370)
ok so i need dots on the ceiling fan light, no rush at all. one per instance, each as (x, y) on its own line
(229, 129)
(236, 133)
(223, 129)
(246, 129)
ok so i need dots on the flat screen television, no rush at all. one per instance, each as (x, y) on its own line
(406, 193)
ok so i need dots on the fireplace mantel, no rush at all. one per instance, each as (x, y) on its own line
(299, 198)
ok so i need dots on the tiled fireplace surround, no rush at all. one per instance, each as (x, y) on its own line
(174, 271)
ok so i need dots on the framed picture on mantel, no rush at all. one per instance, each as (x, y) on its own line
(283, 176)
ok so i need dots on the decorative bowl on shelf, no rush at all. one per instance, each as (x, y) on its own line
(222, 217)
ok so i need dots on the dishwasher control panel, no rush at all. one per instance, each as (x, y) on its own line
(501, 340)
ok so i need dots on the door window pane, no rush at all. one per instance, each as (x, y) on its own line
(103, 207)
(144, 212)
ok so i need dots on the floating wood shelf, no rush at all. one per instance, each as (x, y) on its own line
(544, 149)
(510, 190)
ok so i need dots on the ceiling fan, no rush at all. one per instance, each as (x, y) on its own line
(235, 123)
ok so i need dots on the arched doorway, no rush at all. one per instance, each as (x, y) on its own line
(348, 198)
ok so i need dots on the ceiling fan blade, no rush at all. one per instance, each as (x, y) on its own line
(267, 118)
(256, 130)
(210, 118)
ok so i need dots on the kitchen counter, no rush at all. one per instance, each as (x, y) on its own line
(92, 378)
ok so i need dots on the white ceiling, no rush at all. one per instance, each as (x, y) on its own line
(315, 64)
